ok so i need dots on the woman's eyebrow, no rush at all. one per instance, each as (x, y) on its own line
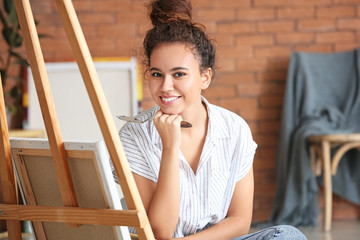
(179, 68)
(154, 69)
(172, 70)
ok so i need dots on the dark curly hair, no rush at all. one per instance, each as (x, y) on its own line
(172, 22)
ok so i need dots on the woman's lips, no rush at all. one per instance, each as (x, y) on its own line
(168, 100)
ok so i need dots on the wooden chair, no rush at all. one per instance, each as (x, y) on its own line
(70, 212)
(321, 157)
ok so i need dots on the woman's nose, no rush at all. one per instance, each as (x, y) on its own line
(168, 83)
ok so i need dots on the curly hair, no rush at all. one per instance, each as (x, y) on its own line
(172, 22)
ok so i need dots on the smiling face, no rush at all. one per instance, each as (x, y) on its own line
(175, 80)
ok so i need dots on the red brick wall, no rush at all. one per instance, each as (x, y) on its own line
(254, 41)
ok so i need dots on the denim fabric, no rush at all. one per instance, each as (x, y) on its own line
(281, 232)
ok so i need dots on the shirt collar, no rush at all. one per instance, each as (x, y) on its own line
(217, 127)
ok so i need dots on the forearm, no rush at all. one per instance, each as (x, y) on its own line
(229, 228)
(164, 207)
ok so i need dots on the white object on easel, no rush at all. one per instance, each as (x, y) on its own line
(75, 112)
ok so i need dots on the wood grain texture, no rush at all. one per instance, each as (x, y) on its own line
(109, 217)
(6, 169)
(47, 106)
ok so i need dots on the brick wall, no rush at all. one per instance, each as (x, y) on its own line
(254, 41)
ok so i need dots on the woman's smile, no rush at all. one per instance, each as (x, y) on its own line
(168, 100)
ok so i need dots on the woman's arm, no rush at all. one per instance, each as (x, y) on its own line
(161, 202)
(238, 219)
(162, 199)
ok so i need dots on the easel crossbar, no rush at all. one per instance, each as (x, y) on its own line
(109, 217)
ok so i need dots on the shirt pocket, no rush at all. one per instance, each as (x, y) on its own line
(218, 184)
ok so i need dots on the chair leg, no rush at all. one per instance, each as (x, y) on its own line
(327, 185)
(315, 159)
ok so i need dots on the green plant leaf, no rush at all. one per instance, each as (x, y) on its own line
(15, 92)
(19, 57)
(12, 17)
(12, 108)
(17, 40)
(3, 19)
(12, 37)
(8, 5)
(44, 35)
(6, 32)
(23, 62)
(15, 54)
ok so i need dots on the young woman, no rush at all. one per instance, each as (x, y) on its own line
(195, 182)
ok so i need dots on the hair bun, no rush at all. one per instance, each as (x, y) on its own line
(162, 11)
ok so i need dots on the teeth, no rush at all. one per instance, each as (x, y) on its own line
(169, 99)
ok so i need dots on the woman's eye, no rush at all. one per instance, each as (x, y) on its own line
(155, 74)
(179, 74)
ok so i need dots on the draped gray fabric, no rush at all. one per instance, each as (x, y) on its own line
(322, 97)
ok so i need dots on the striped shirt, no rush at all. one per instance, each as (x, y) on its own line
(226, 157)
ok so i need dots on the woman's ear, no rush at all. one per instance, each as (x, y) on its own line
(206, 78)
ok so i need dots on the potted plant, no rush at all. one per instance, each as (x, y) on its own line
(12, 64)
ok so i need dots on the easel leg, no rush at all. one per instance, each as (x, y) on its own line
(6, 170)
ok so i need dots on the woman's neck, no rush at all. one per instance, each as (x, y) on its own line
(197, 116)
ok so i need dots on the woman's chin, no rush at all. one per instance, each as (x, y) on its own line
(169, 111)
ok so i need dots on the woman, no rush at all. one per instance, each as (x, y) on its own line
(195, 182)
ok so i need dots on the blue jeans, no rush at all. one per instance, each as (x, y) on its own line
(281, 232)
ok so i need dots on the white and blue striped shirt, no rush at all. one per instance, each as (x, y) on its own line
(226, 157)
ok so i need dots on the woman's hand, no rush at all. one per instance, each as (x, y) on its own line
(169, 129)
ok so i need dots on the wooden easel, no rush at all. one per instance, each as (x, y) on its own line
(13, 213)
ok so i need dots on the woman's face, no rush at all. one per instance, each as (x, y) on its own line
(175, 80)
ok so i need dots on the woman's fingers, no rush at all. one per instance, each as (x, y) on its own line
(166, 118)
(183, 124)
(171, 119)
(158, 114)
(168, 127)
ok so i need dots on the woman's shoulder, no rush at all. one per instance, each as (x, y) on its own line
(229, 117)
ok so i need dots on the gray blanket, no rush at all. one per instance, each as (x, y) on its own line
(322, 96)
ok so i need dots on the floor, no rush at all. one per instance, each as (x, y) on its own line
(341, 230)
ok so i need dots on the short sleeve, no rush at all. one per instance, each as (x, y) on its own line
(245, 150)
(133, 144)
